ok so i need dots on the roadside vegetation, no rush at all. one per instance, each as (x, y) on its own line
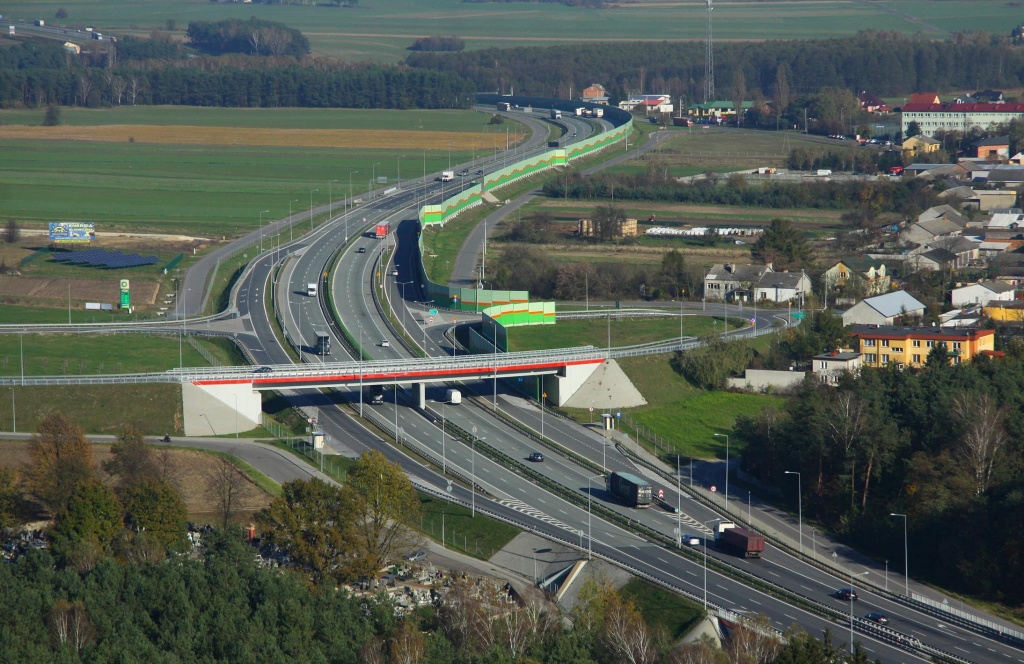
(624, 332)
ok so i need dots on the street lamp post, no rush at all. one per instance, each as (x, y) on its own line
(906, 555)
(800, 502)
(590, 539)
(851, 605)
(444, 464)
(543, 398)
(262, 212)
(473, 464)
(349, 201)
(311, 209)
(291, 226)
(373, 177)
(706, 564)
(726, 436)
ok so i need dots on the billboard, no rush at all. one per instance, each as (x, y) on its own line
(72, 231)
(126, 298)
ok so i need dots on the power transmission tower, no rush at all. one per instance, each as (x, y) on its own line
(709, 65)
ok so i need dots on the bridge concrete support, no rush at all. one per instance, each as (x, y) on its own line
(215, 410)
(559, 387)
(421, 396)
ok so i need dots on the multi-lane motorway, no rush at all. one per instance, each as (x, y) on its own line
(360, 277)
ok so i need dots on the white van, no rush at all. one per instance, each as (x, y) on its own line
(454, 397)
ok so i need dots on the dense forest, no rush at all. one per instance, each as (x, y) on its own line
(885, 63)
(155, 71)
(943, 445)
(254, 36)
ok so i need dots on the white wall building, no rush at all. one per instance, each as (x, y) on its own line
(958, 117)
(982, 293)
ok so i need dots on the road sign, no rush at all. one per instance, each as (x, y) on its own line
(798, 315)
(591, 409)
(432, 312)
(661, 494)
(449, 489)
(713, 488)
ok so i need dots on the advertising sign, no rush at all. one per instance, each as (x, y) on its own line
(126, 298)
(72, 231)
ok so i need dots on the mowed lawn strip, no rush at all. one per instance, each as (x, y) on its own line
(81, 354)
(153, 409)
(480, 537)
(624, 331)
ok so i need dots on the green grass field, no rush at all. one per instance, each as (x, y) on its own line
(683, 416)
(625, 332)
(480, 537)
(663, 609)
(15, 314)
(209, 192)
(382, 30)
(78, 354)
(153, 409)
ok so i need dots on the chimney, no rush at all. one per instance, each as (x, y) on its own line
(728, 267)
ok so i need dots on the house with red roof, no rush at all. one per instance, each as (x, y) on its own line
(647, 104)
(872, 103)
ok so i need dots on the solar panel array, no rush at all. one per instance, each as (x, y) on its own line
(103, 258)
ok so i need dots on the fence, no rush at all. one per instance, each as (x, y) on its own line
(204, 352)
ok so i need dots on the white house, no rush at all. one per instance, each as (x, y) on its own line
(828, 367)
(648, 104)
(982, 293)
(883, 309)
(731, 282)
(782, 286)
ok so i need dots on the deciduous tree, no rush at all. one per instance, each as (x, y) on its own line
(225, 483)
(380, 505)
(131, 460)
(59, 460)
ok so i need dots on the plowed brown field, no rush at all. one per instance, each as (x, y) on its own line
(241, 136)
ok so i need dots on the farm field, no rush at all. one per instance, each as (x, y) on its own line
(624, 332)
(383, 30)
(202, 175)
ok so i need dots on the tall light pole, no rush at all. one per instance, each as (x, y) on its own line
(311, 209)
(444, 464)
(706, 564)
(262, 212)
(473, 464)
(543, 398)
(800, 499)
(349, 201)
(726, 436)
(373, 177)
(851, 605)
(906, 555)
(291, 226)
(590, 539)
(330, 198)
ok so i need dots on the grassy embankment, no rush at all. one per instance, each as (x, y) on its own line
(663, 609)
(624, 332)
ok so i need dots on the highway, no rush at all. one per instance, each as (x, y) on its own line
(360, 274)
(360, 277)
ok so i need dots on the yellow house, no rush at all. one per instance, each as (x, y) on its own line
(1005, 312)
(876, 278)
(882, 345)
(921, 144)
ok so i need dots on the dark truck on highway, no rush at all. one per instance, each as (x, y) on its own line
(744, 542)
(630, 489)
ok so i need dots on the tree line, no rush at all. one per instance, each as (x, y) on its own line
(656, 184)
(254, 36)
(40, 73)
(942, 445)
(883, 62)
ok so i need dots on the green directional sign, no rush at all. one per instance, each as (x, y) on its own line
(433, 312)
(799, 315)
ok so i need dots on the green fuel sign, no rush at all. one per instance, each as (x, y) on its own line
(126, 297)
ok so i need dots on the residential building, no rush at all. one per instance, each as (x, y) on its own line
(1005, 312)
(923, 98)
(932, 115)
(982, 293)
(1005, 176)
(766, 380)
(871, 272)
(947, 212)
(1005, 226)
(872, 103)
(933, 260)
(782, 286)
(986, 200)
(989, 96)
(718, 109)
(733, 282)
(829, 367)
(648, 104)
(882, 345)
(992, 148)
(595, 94)
(1017, 159)
(883, 309)
(921, 144)
(923, 232)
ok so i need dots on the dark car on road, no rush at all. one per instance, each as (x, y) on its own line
(262, 370)
(536, 456)
(361, 250)
(878, 617)
(845, 594)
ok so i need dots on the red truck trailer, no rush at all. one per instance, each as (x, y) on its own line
(747, 543)
(382, 230)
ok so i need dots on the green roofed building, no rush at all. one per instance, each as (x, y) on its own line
(718, 108)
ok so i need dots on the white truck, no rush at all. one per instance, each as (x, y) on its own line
(311, 290)
(824, 172)
(447, 176)
(598, 112)
(454, 397)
